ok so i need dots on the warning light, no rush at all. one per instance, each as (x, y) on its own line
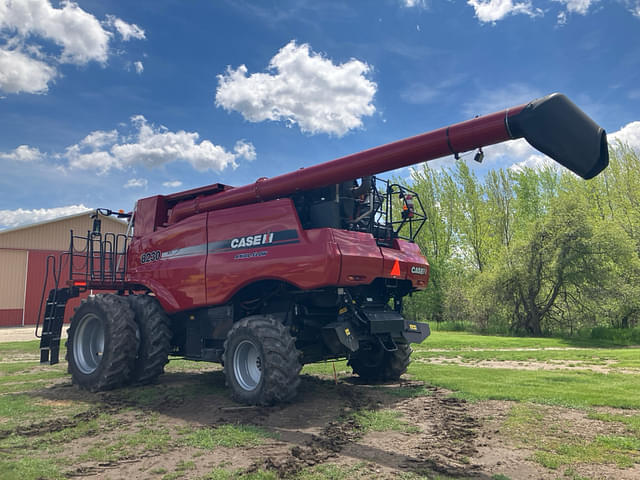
(395, 271)
(78, 283)
(408, 207)
(121, 211)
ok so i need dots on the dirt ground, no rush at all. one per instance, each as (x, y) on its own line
(22, 334)
(446, 437)
(449, 438)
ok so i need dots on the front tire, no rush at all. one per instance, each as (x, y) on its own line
(261, 362)
(380, 365)
(102, 344)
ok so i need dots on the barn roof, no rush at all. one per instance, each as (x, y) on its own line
(54, 234)
(60, 219)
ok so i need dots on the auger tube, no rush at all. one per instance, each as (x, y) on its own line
(553, 125)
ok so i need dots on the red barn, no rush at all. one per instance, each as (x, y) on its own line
(23, 254)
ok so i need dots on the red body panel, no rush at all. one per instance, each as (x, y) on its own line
(178, 280)
(361, 257)
(305, 259)
(207, 258)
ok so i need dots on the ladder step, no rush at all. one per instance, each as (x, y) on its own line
(52, 324)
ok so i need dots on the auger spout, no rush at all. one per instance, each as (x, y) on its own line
(553, 125)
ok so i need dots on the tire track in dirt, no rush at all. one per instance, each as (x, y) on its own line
(449, 434)
(111, 406)
(445, 444)
(335, 435)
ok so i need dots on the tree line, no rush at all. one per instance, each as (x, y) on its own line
(531, 251)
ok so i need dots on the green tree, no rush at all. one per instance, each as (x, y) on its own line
(501, 200)
(438, 194)
(472, 219)
(562, 267)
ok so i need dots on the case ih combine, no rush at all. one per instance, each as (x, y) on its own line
(264, 278)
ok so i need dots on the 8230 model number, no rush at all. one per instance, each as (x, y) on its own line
(153, 256)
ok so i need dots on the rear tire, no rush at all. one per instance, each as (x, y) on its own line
(102, 344)
(154, 339)
(379, 365)
(261, 362)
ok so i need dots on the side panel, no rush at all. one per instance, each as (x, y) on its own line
(411, 264)
(361, 257)
(266, 241)
(363, 261)
(171, 262)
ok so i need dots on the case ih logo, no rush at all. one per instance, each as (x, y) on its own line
(252, 240)
(419, 270)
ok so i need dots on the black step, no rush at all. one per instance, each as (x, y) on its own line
(52, 323)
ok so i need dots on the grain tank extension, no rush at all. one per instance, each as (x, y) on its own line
(306, 266)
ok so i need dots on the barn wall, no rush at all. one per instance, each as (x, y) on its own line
(23, 254)
(13, 268)
(35, 280)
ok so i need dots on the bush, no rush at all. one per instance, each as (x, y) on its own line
(620, 336)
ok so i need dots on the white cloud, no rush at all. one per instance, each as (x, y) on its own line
(136, 183)
(172, 184)
(21, 73)
(79, 33)
(20, 216)
(157, 146)
(633, 6)
(152, 147)
(302, 88)
(517, 151)
(126, 30)
(100, 160)
(99, 139)
(23, 153)
(414, 3)
(577, 6)
(490, 11)
(629, 134)
(535, 162)
(139, 67)
(28, 25)
(245, 150)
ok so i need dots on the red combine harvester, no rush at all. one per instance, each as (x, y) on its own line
(306, 266)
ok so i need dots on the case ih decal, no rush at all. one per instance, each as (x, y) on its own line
(266, 239)
(252, 240)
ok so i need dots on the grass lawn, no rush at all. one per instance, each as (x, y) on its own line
(23, 384)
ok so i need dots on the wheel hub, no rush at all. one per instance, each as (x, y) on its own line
(88, 344)
(247, 365)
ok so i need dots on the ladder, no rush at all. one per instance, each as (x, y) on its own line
(52, 323)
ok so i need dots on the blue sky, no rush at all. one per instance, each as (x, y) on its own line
(104, 102)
